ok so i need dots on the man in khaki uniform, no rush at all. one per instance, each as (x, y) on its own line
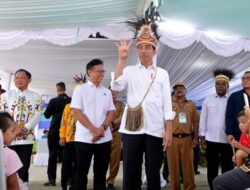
(180, 154)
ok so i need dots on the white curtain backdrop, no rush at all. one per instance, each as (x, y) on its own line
(63, 37)
(172, 35)
(181, 36)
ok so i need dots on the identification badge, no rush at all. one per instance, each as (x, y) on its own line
(182, 118)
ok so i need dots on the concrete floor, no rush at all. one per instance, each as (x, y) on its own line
(38, 176)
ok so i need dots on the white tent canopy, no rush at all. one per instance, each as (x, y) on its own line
(50, 64)
(54, 55)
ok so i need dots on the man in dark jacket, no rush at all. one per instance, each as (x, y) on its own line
(55, 109)
(235, 104)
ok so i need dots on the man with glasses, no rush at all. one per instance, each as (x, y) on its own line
(93, 107)
(234, 105)
(25, 106)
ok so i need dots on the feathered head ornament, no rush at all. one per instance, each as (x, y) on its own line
(80, 80)
(145, 28)
(223, 75)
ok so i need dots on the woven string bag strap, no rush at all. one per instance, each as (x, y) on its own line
(149, 87)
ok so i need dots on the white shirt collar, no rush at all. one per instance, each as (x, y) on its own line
(153, 65)
(217, 96)
(90, 83)
(18, 91)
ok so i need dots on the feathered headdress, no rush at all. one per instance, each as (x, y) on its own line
(223, 75)
(145, 28)
(80, 80)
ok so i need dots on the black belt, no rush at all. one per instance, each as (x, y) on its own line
(181, 135)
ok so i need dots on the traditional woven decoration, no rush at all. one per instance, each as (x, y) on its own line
(224, 75)
(145, 28)
(134, 120)
(80, 80)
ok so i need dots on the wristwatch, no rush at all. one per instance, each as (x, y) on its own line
(105, 126)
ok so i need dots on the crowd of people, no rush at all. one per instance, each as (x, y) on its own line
(151, 122)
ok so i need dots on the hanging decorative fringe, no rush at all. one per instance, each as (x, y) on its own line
(134, 121)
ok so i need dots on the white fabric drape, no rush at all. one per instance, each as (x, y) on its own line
(174, 36)
(63, 37)
(179, 37)
(15, 39)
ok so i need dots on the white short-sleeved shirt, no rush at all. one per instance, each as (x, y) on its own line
(157, 106)
(95, 103)
(212, 119)
(12, 161)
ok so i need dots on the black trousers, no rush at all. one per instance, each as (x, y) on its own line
(24, 152)
(133, 148)
(53, 145)
(68, 164)
(84, 153)
(196, 157)
(165, 172)
(218, 154)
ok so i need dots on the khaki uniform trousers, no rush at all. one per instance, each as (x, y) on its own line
(180, 161)
(115, 157)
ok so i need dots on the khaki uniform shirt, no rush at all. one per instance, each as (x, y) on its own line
(118, 112)
(188, 109)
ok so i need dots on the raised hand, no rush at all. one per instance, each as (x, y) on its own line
(123, 48)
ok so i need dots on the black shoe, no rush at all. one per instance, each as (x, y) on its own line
(51, 182)
(197, 173)
(110, 187)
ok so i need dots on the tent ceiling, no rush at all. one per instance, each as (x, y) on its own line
(50, 64)
(46, 14)
(227, 16)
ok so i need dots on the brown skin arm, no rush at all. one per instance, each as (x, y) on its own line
(116, 121)
(123, 50)
(109, 118)
(62, 141)
(236, 144)
(20, 131)
(230, 138)
(167, 139)
(12, 182)
(195, 125)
